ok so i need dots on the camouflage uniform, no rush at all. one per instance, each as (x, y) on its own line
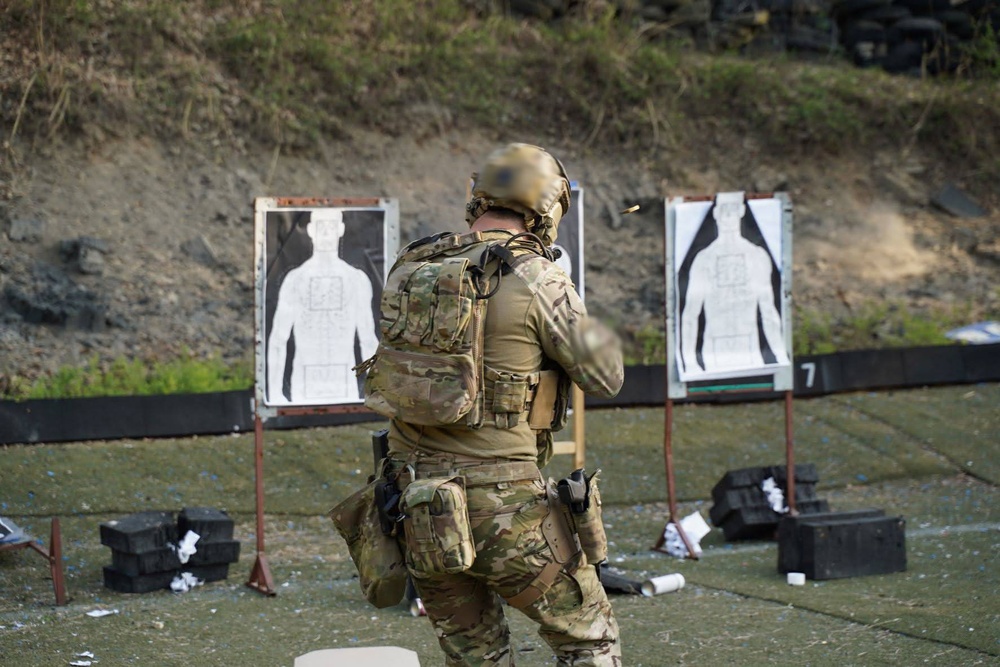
(535, 319)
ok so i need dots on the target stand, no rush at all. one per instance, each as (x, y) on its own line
(319, 269)
(728, 258)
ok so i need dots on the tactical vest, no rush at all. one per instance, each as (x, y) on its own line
(429, 367)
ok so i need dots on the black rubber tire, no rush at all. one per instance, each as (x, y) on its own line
(922, 30)
(924, 7)
(957, 23)
(844, 9)
(810, 40)
(903, 58)
(862, 31)
(885, 15)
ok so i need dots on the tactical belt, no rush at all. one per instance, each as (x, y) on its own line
(474, 475)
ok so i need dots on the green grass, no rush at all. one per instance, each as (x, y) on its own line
(135, 377)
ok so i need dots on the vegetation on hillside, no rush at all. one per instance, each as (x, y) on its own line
(287, 72)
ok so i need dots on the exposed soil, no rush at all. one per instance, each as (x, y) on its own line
(174, 225)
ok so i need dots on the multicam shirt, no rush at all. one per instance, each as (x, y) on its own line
(536, 320)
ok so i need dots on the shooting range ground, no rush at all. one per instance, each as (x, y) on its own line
(929, 455)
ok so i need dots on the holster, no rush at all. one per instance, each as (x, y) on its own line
(558, 529)
(561, 539)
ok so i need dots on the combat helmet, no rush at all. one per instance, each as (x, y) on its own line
(525, 179)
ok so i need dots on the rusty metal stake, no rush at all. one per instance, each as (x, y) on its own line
(668, 456)
(789, 457)
(260, 576)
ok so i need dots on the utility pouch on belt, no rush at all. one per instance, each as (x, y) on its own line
(377, 556)
(583, 497)
(437, 528)
(543, 415)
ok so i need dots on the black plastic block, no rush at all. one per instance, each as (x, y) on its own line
(164, 560)
(790, 533)
(139, 532)
(753, 497)
(144, 583)
(754, 477)
(216, 553)
(834, 548)
(207, 573)
(148, 562)
(762, 522)
(211, 525)
(805, 473)
(738, 479)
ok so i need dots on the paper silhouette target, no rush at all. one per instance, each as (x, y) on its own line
(321, 271)
(730, 316)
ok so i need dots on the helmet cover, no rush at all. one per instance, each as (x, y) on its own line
(525, 179)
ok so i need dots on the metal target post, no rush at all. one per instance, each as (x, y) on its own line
(779, 379)
(260, 578)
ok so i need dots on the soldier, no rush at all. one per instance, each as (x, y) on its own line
(534, 336)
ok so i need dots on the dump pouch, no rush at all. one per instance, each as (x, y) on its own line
(431, 390)
(436, 526)
(377, 557)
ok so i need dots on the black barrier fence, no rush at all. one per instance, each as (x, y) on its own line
(114, 417)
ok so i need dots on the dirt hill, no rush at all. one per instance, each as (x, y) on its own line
(122, 239)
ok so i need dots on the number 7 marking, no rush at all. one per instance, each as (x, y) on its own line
(810, 368)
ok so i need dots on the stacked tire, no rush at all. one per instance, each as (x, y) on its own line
(144, 548)
(914, 37)
(801, 26)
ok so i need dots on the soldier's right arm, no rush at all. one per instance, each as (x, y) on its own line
(588, 351)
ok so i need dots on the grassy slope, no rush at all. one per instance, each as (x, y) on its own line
(288, 71)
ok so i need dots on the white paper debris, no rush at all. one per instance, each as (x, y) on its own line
(85, 654)
(184, 582)
(98, 613)
(774, 496)
(185, 548)
(694, 527)
(81, 663)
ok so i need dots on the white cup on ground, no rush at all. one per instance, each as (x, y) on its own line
(796, 579)
(668, 583)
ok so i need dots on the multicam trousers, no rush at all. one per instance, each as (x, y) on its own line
(466, 609)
